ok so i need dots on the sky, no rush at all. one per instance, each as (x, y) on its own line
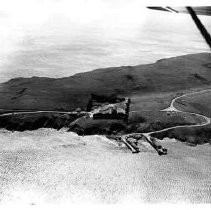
(58, 38)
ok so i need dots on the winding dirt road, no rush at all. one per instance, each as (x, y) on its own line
(171, 108)
(35, 112)
(147, 136)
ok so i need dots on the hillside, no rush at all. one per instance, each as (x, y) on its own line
(166, 75)
(197, 103)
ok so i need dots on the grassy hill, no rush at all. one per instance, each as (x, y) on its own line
(199, 103)
(166, 75)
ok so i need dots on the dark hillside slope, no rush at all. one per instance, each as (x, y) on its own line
(68, 93)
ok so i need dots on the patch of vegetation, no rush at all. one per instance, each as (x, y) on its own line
(89, 126)
(22, 122)
(145, 121)
(191, 136)
(200, 78)
(129, 77)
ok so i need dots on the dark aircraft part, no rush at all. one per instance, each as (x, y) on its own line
(193, 11)
(200, 26)
(198, 10)
(173, 10)
(159, 8)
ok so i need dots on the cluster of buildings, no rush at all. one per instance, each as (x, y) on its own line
(108, 107)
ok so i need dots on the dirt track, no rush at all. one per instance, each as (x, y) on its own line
(171, 108)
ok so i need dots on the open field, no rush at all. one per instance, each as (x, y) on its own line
(153, 101)
(198, 103)
(49, 166)
(147, 121)
(139, 121)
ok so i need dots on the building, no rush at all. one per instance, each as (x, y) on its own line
(108, 107)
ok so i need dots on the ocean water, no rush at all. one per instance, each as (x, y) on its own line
(60, 46)
(47, 166)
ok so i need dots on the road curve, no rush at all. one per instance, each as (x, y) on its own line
(171, 108)
(147, 136)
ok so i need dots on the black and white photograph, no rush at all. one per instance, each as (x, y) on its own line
(104, 102)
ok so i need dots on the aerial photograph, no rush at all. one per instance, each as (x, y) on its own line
(104, 102)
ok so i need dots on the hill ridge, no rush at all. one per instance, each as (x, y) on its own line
(68, 93)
